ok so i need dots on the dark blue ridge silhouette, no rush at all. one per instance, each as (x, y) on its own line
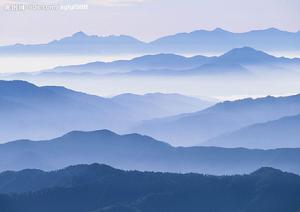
(137, 152)
(87, 188)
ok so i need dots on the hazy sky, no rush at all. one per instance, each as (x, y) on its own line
(145, 19)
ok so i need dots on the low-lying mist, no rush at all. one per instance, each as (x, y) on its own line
(214, 87)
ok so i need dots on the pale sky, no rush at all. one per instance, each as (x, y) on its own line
(145, 19)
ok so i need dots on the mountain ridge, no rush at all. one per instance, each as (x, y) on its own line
(33, 112)
(217, 40)
(225, 117)
(237, 60)
(266, 135)
(139, 152)
(87, 188)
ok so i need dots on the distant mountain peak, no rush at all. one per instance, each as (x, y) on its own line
(89, 133)
(16, 84)
(161, 56)
(218, 29)
(79, 34)
(267, 171)
(273, 29)
(244, 49)
(246, 55)
(88, 167)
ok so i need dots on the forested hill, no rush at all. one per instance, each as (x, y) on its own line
(99, 188)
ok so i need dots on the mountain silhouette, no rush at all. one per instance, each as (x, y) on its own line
(236, 61)
(195, 128)
(80, 43)
(137, 152)
(29, 111)
(272, 134)
(159, 104)
(159, 61)
(247, 55)
(199, 41)
(86, 188)
(220, 40)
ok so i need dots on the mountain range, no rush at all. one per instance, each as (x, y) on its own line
(199, 41)
(29, 111)
(160, 104)
(236, 61)
(99, 188)
(273, 134)
(229, 116)
(80, 43)
(220, 40)
(63, 150)
(137, 152)
(159, 61)
(40, 113)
